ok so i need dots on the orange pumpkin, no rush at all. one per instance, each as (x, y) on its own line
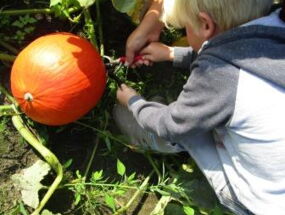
(58, 78)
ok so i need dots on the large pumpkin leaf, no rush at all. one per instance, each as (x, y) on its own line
(124, 6)
(86, 3)
(54, 2)
(28, 182)
(134, 8)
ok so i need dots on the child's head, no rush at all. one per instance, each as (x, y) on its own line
(224, 14)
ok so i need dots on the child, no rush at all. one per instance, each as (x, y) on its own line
(236, 89)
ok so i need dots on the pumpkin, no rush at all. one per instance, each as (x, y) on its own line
(58, 78)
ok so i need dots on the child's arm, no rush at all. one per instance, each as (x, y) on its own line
(206, 101)
(125, 93)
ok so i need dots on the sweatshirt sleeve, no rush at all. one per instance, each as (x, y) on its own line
(183, 57)
(206, 102)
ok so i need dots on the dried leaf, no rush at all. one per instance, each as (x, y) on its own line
(28, 182)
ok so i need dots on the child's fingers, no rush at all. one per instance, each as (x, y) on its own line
(147, 62)
(123, 87)
(139, 63)
(148, 58)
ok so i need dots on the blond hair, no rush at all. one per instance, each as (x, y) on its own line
(225, 13)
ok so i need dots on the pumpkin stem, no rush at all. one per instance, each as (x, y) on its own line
(28, 97)
(8, 95)
(47, 155)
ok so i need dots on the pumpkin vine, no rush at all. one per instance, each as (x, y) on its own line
(26, 133)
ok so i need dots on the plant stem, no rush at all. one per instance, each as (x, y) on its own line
(32, 11)
(141, 189)
(161, 205)
(47, 155)
(4, 108)
(8, 95)
(7, 57)
(92, 157)
(103, 185)
(8, 47)
(90, 27)
(154, 166)
(101, 132)
(100, 29)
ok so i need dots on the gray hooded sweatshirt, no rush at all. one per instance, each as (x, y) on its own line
(237, 88)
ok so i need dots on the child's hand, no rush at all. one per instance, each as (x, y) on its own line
(124, 93)
(157, 52)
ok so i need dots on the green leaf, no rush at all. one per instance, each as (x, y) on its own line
(67, 163)
(188, 210)
(28, 182)
(108, 143)
(22, 209)
(131, 177)
(120, 192)
(86, 3)
(77, 198)
(32, 20)
(217, 211)
(18, 24)
(110, 201)
(121, 169)
(54, 2)
(3, 125)
(124, 6)
(97, 175)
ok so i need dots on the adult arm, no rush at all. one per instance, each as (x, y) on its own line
(148, 31)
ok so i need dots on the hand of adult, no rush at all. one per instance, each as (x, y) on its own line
(148, 31)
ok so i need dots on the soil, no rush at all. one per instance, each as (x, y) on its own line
(15, 155)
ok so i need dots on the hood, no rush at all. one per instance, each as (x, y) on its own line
(258, 49)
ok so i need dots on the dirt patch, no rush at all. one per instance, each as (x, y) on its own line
(15, 155)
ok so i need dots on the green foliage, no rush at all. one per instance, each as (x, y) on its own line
(86, 3)
(134, 8)
(61, 9)
(23, 21)
(22, 27)
(188, 210)
(101, 192)
(124, 6)
(121, 169)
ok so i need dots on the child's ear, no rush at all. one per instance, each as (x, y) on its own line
(208, 27)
